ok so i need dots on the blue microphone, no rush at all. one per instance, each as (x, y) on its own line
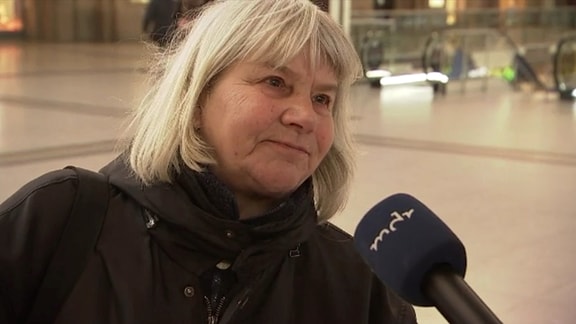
(415, 254)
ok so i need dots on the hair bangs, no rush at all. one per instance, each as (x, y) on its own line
(278, 36)
(338, 52)
(321, 43)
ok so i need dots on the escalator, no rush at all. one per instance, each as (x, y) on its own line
(488, 56)
(524, 72)
(565, 67)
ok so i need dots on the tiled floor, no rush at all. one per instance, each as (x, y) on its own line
(499, 167)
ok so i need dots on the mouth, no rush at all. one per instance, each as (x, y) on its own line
(291, 146)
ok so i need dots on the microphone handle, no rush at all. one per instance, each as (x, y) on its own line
(455, 300)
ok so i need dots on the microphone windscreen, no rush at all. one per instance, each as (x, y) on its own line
(402, 240)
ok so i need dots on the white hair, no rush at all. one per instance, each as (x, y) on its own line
(223, 33)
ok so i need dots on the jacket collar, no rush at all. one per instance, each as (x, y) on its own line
(190, 222)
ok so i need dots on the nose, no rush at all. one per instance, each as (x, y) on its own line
(300, 113)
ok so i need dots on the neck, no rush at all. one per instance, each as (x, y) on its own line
(251, 207)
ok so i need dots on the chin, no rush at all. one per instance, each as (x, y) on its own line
(279, 187)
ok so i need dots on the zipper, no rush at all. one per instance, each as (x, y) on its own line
(218, 282)
(214, 314)
(150, 219)
(241, 299)
(237, 303)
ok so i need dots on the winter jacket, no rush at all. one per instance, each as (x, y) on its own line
(158, 241)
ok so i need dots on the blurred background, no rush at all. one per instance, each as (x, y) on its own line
(466, 104)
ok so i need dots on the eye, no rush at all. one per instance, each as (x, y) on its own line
(322, 99)
(276, 82)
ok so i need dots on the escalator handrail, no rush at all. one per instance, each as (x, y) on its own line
(517, 52)
(556, 60)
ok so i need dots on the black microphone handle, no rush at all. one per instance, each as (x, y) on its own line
(455, 300)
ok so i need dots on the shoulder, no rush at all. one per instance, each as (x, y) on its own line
(335, 247)
(52, 185)
(35, 214)
(332, 232)
(31, 222)
(329, 234)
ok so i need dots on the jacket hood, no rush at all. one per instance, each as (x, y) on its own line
(154, 198)
(189, 219)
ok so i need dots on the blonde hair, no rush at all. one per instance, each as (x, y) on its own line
(223, 33)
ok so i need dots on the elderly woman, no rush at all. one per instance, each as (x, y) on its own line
(218, 210)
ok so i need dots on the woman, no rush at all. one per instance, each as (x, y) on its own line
(219, 209)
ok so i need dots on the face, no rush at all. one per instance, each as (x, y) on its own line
(269, 128)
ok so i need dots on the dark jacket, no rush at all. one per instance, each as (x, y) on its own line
(157, 241)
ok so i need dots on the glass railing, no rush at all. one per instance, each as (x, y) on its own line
(557, 17)
(402, 34)
(487, 44)
(477, 57)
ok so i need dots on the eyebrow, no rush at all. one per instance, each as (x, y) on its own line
(324, 87)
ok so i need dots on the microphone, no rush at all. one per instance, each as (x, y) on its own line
(415, 254)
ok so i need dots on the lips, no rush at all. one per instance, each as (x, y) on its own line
(292, 146)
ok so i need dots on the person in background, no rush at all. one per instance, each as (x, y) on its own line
(322, 4)
(159, 20)
(186, 9)
(219, 209)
